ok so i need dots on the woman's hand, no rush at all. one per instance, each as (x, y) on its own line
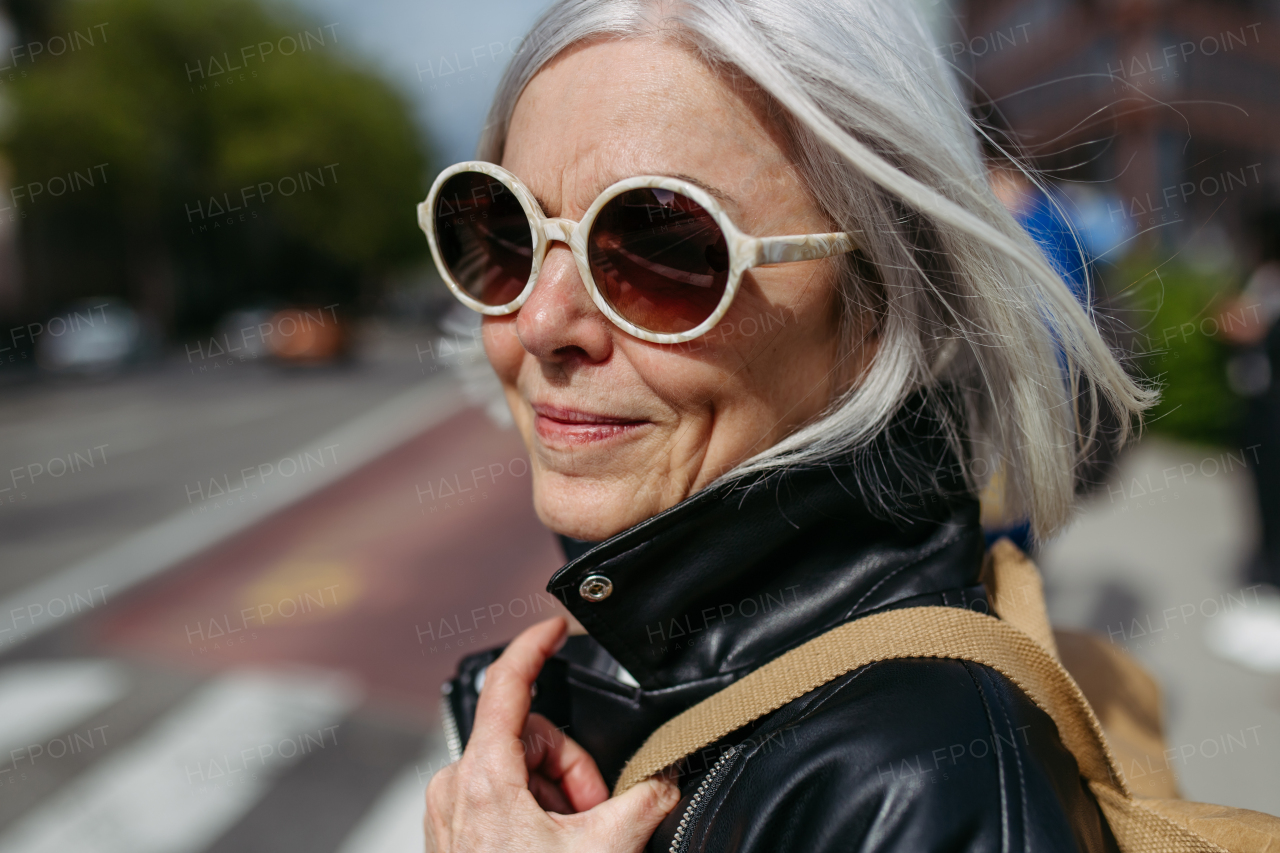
(523, 785)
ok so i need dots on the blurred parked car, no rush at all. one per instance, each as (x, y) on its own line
(296, 335)
(242, 332)
(307, 335)
(94, 336)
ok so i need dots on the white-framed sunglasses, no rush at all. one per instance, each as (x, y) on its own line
(659, 256)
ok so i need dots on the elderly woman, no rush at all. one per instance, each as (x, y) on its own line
(765, 332)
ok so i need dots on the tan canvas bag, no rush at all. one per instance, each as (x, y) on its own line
(1022, 647)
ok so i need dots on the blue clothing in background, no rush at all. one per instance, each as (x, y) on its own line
(1044, 221)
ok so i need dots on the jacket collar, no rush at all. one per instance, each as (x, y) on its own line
(738, 574)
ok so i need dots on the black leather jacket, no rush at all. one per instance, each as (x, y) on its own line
(909, 755)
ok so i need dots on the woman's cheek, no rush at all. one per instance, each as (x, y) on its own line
(502, 347)
(685, 376)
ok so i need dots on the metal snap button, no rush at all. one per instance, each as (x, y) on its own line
(596, 588)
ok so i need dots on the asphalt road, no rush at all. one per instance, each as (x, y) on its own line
(277, 690)
(137, 442)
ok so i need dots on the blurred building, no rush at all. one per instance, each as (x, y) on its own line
(1175, 104)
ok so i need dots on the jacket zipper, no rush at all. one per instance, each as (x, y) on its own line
(452, 738)
(708, 787)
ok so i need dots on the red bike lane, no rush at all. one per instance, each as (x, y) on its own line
(429, 552)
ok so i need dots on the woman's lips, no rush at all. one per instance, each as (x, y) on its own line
(559, 425)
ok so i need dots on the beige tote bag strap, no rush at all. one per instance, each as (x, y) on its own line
(1016, 593)
(929, 632)
(914, 632)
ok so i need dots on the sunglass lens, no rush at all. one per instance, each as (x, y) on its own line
(484, 236)
(659, 259)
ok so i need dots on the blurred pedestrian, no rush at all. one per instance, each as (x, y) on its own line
(1251, 322)
(1045, 213)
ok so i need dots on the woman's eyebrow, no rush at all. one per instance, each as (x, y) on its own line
(715, 192)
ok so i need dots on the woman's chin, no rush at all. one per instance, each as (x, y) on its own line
(589, 509)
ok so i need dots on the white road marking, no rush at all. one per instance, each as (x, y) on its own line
(196, 772)
(30, 611)
(43, 699)
(394, 823)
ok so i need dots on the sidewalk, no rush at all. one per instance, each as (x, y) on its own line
(1152, 560)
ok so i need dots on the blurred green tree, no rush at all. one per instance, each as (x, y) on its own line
(1180, 349)
(240, 155)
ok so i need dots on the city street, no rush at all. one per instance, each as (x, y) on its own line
(278, 688)
(143, 437)
(289, 564)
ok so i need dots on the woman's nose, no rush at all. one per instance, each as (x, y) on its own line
(559, 322)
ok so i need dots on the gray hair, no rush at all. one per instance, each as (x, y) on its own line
(966, 310)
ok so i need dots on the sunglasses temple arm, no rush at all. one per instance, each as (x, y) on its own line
(802, 247)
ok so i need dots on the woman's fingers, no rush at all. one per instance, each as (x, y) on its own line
(504, 699)
(439, 812)
(548, 795)
(485, 802)
(561, 760)
(624, 824)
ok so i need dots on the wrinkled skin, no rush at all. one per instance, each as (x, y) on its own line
(613, 110)
(599, 113)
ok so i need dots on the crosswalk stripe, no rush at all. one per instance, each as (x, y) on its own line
(39, 700)
(149, 695)
(189, 777)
